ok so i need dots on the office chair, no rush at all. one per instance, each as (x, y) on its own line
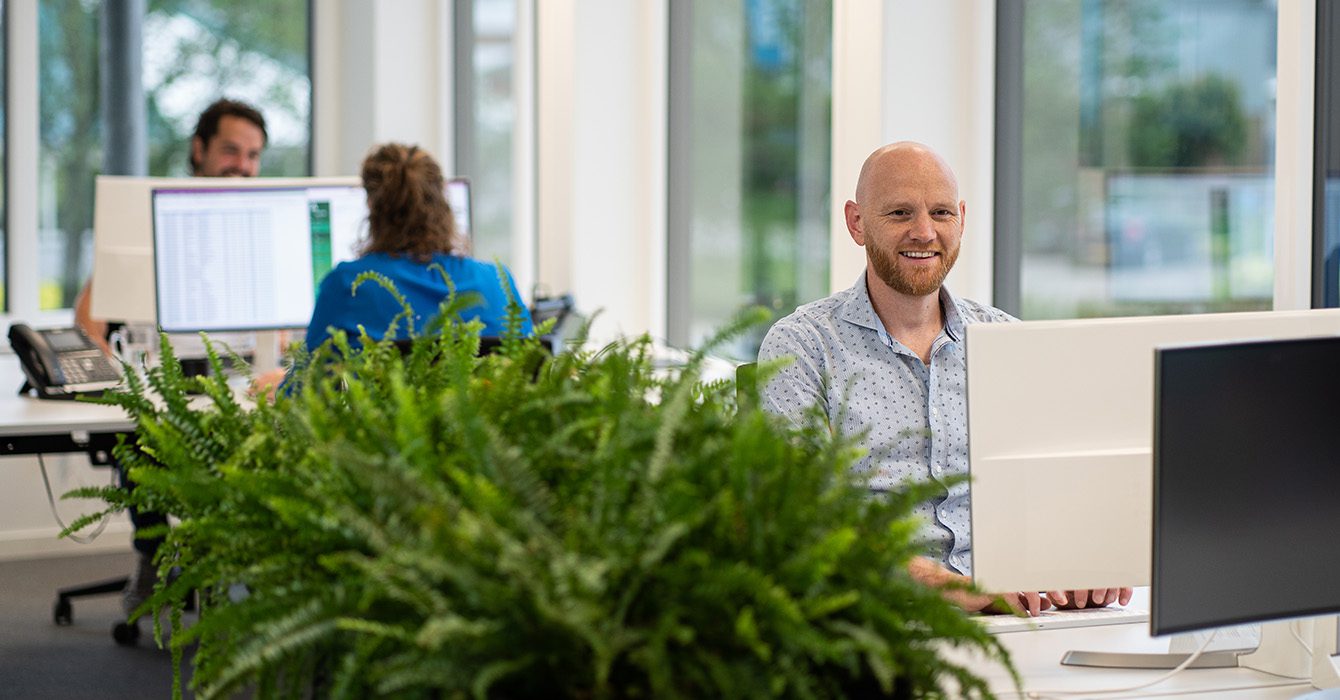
(125, 632)
(488, 344)
(62, 613)
(746, 376)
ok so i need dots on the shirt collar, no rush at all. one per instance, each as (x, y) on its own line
(859, 311)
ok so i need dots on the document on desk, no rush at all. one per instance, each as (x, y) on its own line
(1059, 619)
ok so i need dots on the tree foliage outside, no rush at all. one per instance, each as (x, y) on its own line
(583, 526)
(1189, 125)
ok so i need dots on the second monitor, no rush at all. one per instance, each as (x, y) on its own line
(251, 258)
(1060, 431)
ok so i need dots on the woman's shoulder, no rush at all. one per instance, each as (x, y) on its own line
(462, 263)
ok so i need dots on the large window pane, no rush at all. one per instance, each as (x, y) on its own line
(71, 148)
(1146, 181)
(194, 51)
(750, 93)
(486, 119)
(1326, 258)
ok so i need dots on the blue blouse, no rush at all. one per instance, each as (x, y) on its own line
(422, 286)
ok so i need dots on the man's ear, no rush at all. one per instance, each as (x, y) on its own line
(962, 215)
(197, 151)
(855, 226)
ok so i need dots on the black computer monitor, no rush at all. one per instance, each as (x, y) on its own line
(1246, 483)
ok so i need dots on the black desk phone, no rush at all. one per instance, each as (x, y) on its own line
(61, 363)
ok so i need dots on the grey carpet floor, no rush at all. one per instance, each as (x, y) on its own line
(40, 660)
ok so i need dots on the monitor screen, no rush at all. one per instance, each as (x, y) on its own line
(458, 198)
(1060, 436)
(1246, 480)
(249, 259)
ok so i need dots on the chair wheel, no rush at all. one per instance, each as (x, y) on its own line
(63, 613)
(126, 633)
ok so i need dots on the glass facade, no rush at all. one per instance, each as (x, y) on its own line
(1143, 161)
(750, 111)
(194, 52)
(486, 120)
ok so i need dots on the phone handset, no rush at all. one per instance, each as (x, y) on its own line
(61, 363)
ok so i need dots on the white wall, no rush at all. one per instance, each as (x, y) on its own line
(27, 526)
(601, 142)
(382, 72)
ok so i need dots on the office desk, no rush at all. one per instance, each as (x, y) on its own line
(1037, 656)
(33, 426)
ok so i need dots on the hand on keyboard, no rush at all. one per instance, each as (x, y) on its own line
(1095, 598)
(1033, 604)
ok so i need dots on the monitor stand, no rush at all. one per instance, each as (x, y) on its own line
(1325, 644)
(1281, 653)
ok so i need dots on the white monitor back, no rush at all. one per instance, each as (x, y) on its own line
(123, 240)
(1060, 425)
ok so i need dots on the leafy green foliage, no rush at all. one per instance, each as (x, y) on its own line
(1190, 124)
(438, 524)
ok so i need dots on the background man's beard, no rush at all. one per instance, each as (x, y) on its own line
(919, 283)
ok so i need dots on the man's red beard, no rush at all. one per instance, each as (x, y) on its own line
(917, 283)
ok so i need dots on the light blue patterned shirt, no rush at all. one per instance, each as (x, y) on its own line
(915, 415)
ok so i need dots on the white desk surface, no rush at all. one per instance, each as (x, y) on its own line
(1037, 656)
(25, 415)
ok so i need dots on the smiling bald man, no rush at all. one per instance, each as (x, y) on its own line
(886, 357)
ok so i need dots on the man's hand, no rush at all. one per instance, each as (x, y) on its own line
(94, 328)
(1095, 598)
(933, 574)
(264, 385)
(1031, 603)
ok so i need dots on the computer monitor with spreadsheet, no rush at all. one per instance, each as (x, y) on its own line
(123, 246)
(249, 259)
(1246, 473)
(1060, 417)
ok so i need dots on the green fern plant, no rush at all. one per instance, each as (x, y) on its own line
(517, 525)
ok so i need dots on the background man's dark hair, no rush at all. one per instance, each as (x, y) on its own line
(208, 124)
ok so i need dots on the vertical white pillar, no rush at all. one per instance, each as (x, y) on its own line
(1295, 71)
(21, 139)
(601, 177)
(381, 70)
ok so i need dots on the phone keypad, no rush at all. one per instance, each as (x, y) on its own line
(81, 369)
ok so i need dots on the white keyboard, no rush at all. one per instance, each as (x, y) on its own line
(1058, 619)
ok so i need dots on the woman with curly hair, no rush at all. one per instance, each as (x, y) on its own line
(411, 231)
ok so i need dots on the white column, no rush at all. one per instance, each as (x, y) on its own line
(858, 85)
(523, 149)
(601, 176)
(1294, 97)
(381, 73)
(21, 139)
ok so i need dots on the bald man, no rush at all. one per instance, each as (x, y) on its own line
(886, 357)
